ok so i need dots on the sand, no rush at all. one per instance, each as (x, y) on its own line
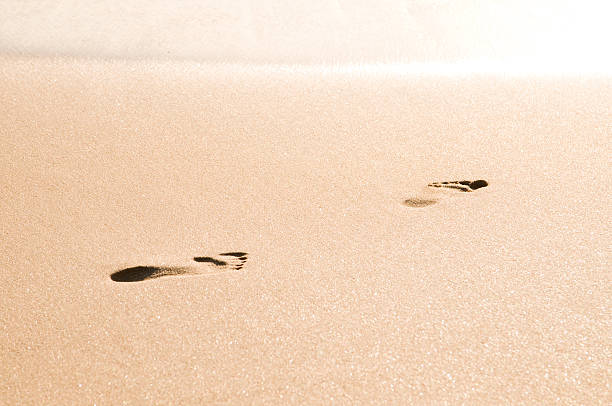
(348, 295)
(558, 34)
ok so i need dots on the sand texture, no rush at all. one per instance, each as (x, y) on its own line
(314, 281)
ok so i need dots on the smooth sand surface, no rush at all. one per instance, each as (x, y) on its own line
(348, 295)
(569, 35)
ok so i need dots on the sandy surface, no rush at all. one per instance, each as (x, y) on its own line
(497, 296)
(570, 35)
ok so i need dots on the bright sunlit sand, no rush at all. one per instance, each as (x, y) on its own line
(227, 203)
(262, 220)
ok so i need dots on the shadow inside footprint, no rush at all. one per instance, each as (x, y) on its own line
(417, 202)
(210, 260)
(228, 261)
(235, 261)
(141, 273)
(461, 185)
(429, 196)
(477, 184)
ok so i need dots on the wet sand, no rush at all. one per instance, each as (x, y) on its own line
(347, 295)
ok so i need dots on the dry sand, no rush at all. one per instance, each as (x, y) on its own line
(561, 34)
(497, 296)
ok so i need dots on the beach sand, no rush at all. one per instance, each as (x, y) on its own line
(347, 295)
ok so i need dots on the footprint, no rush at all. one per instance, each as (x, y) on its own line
(433, 193)
(461, 185)
(229, 261)
(141, 273)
